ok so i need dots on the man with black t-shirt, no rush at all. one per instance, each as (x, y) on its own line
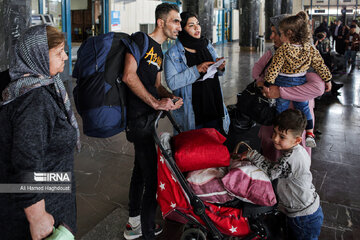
(147, 95)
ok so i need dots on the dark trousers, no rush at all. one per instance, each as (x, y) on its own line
(142, 193)
(340, 46)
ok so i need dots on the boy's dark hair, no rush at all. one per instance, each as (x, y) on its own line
(291, 119)
(299, 27)
(163, 10)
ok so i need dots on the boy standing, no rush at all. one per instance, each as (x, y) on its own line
(298, 199)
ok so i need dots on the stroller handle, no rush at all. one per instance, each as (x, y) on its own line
(236, 150)
(162, 113)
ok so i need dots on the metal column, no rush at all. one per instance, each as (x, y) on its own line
(249, 23)
(286, 6)
(41, 6)
(272, 8)
(105, 15)
(356, 9)
(15, 18)
(204, 9)
(66, 27)
(328, 18)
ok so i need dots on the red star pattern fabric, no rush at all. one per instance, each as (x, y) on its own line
(171, 196)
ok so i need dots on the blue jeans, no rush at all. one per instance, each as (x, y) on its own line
(350, 54)
(306, 227)
(283, 104)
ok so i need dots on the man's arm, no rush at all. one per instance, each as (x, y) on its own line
(162, 91)
(165, 94)
(131, 79)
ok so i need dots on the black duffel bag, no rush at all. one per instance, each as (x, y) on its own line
(253, 104)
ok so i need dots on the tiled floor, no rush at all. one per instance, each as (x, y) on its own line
(103, 168)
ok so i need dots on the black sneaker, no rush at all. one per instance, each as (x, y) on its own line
(158, 229)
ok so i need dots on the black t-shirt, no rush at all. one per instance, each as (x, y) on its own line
(206, 95)
(148, 68)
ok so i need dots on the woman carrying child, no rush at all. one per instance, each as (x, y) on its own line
(290, 63)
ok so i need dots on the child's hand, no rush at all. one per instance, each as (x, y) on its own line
(243, 156)
(328, 86)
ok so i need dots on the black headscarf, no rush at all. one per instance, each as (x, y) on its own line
(198, 44)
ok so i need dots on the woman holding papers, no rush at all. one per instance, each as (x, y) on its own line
(192, 72)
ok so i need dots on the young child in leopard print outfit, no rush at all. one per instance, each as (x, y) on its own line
(290, 63)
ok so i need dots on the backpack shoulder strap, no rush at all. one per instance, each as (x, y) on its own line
(134, 48)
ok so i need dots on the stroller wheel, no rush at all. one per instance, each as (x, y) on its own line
(193, 234)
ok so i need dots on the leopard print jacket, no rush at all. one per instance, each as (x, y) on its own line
(292, 59)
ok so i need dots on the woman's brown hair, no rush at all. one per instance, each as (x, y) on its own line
(296, 28)
(54, 37)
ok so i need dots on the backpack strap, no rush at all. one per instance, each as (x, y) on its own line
(134, 48)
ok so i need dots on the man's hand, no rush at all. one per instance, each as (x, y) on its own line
(271, 92)
(222, 66)
(328, 86)
(41, 222)
(203, 67)
(178, 102)
(168, 104)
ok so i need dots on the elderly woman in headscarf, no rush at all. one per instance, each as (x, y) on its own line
(313, 88)
(185, 65)
(39, 134)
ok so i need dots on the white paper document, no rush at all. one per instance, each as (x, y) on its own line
(212, 70)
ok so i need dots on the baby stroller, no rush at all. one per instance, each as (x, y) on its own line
(237, 220)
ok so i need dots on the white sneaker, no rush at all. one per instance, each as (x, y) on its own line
(135, 232)
(132, 232)
(310, 141)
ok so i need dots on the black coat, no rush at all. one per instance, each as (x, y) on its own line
(35, 136)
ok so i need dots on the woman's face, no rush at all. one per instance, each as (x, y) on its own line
(193, 27)
(275, 37)
(57, 58)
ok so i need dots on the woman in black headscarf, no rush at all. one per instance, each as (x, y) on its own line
(185, 66)
(38, 135)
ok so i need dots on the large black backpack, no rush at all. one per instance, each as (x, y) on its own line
(100, 94)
